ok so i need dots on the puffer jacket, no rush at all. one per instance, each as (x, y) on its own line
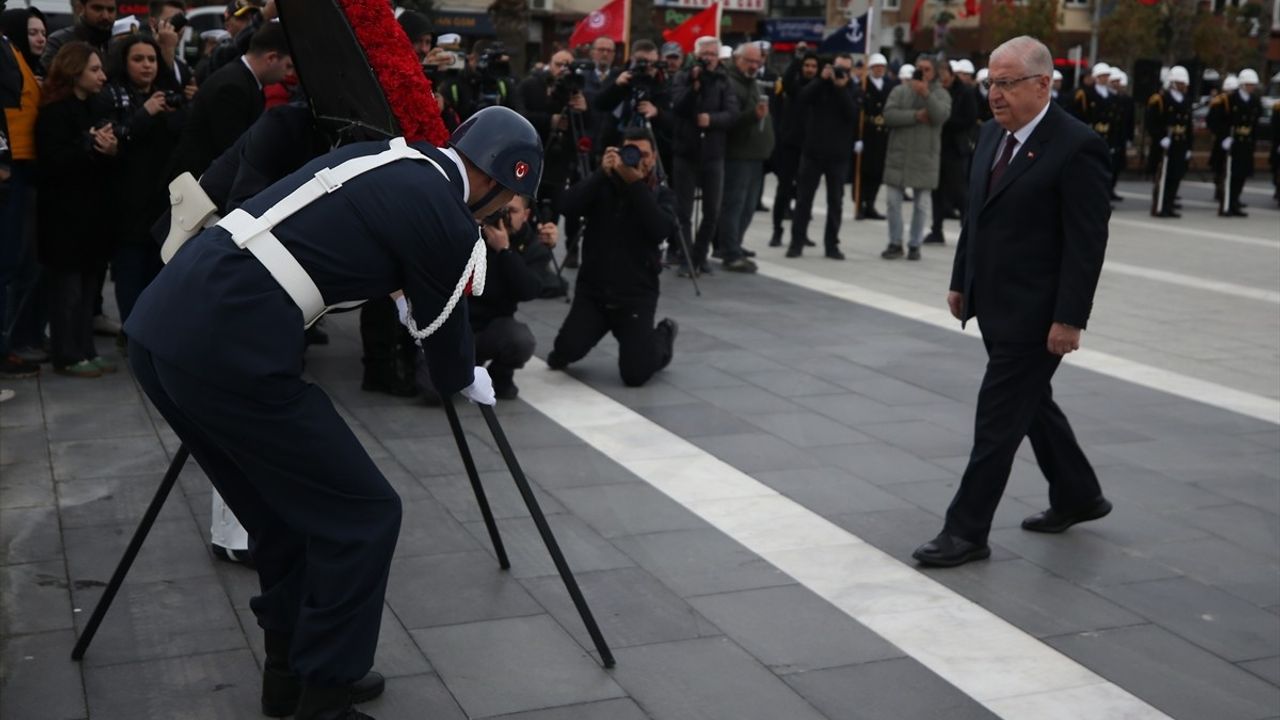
(915, 148)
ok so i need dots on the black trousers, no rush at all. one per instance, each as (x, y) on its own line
(1241, 156)
(874, 148)
(691, 175)
(506, 345)
(71, 297)
(389, 352)
(951, 191)
(642, 349)
(322, 520)
(786, 162)
(1173, 175)
(1016, 401)
(834, 169)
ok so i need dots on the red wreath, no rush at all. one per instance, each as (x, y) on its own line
(396, 65)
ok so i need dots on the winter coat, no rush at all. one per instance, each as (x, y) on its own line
(75, 203)
(713, 97)
(749, 137)
(915, 148)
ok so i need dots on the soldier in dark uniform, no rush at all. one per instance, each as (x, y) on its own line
(1094, 105)
(983, 99)
(1236, 122)
(1122, 128)
(1168, 122)
(1217, 125)
(216, 342)
(873, 138)
(1275, 149)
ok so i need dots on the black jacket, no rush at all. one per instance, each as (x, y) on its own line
(958, 130)
(146, 143)
(626, 224)
(75, 198)
(873, 100)
(713, 97)
(226, 105)
(1031, 248)
(833, 118)
(508, 282)
(98, 39)
(794, 114)
(615, 110)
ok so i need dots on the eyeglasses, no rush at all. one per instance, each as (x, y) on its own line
(1005, 85)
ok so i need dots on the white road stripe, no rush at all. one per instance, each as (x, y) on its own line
(1191, 281)
(1013, 674)
(1173, 229)
(1203, 391)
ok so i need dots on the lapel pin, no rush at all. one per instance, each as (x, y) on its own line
(1030, 155)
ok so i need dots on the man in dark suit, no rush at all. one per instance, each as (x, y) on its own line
(1027, 265)
(231, 100)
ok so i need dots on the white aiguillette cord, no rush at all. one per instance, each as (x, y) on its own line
(477, 266)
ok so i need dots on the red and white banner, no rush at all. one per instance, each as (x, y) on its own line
(609, 21)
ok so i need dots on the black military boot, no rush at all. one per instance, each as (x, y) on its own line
(319, 703)
(282, 691)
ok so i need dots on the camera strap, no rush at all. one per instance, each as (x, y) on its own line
(255, 234)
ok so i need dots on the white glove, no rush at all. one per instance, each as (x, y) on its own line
(857, 148)
(1165, 142)
(402, 309)
(1226, 143)
(1188, 154)
(480, 391)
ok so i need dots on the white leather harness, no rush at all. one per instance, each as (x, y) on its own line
(255, 235)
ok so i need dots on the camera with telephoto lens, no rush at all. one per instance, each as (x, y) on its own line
(494, 62)
(175, 99)
(839, 73)
(630, 155)
(571, 81)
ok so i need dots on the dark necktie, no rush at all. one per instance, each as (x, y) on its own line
(1010, 142)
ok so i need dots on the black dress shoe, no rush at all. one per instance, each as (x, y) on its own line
(1167, 214)
(776, 240)
(794, 252)
(1116, 198)
(1052, 521)
(934, 238)
(833, 254)
(949, 551)
(810, 243)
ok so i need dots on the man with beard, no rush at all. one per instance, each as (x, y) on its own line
(92, 26)
(786, 158)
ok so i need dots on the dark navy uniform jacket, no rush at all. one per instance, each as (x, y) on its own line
(215, 311)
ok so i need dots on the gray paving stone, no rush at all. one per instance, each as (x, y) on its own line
(621, 709)
(1170, 673)
(96, 422)
(830, 491)
(1082, 558)
(789, 382)
(455, 493)
(935, 496)
(690, 376)
(553, 468)
(27, 444)
(892, 391)
(116, 501)
(758, 452)
(897, 531)
(881, 463)
(173, 550)
(700, 562)
(427, 457)
(39, 680)
(1155, 491)
(204, 686)
(26, 484)
(416, 420)
(86, 459)
(854, 410)
(59, 391)
(696, 419)
(1256, 491)
(630, 605)
(29, 535)
(627, 509)
(414, 697)
(583, 548)
(747, 399)
(435, 590)
(1132, 527)
(34, 598)
(505, 666)
(921, 438)
(25, 409)
(427, 528)
(1269, 439)
(1267, 668)
(655, 393)
(791, 630)
(897, 689)
(807, 429)
(710, 679)
(1248, 527)
(164, 619)
(1218, 622)
(828, 367)
(1216, 562)
(1034, 600)
(1194, 458)
(397, 654)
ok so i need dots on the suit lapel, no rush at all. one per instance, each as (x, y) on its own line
(984, 157)
(1027, 155)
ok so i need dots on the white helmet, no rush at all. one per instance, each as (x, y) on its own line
(906, 72)
(1101, 69)
(1120, 78)
(963, 65)
(982, 75)
(1231, 83)
(1248, 76)
(876, 59)
(726, 52)
(1057, 76)
(1179, 74)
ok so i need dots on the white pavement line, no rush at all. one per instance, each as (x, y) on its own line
(1171, 229)
(1202, 391)
(1013, 674)
(1191, 281)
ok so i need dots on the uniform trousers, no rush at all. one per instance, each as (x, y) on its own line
(642, 349)
(1177, 168)
(951, 191)
(322, 519)
(1016, 401)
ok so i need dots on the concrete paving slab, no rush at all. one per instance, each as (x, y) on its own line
(700, 562)
(203, 686)
(39, 681)
(892, 689)
(478, 590)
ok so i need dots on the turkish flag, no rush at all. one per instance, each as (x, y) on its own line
(915, 15)
(609, 21)
(704, 23)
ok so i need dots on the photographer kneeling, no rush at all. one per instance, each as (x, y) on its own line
(628, 217)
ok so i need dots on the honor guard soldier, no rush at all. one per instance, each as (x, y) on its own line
(1094, 104)
(1236, 122)
(873, 138)
(1168, 122)
(1216, 122)
(984, 97)
(216, 342)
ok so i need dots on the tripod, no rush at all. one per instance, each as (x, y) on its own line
(517, 474)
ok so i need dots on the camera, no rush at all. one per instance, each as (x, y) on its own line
(630, 155)
(546, 212)
(175, 99)
(839, 73)
(494, 62)
(639, 66)
(572, 81)
(178, 22)
(500, 218)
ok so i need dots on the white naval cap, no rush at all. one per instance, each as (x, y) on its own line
(1248, 76)
(1101, 69)
(876, 59)
(906, 72)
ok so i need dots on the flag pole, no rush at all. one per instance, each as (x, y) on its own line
(719, 17)
(626, 32)
(862, 112)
